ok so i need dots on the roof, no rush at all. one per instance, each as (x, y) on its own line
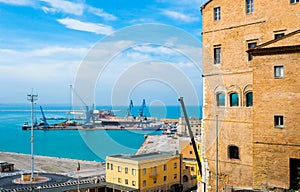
(143, 157)
(204, 5)
(4, 164)
(288, 43)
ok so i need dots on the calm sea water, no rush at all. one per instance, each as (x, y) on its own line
(92, 145)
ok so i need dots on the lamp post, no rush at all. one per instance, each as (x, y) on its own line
(32, 98)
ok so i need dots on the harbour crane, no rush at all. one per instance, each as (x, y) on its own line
(44, 119)
(129, 108)
(142, 108)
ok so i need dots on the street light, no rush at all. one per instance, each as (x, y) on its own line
(32, 98)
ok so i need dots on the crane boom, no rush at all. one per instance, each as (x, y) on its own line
(142, 108)
(191, 134)
(46, 125)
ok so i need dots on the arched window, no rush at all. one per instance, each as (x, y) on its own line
(249, 99)
(233, 152)
(220, 99)
(234, 99)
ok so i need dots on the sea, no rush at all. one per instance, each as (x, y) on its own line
(90, 145)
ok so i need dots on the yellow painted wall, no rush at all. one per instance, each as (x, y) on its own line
(146, 172)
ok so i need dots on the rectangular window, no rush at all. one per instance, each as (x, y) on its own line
(133, 183)
(249, 6)
(133, 172)
(175, 165)
(107, 167)
(119, 180)
(175, 176)
(112, 166)
(144, 171)
(119, 168)
(251, 46)
(165, 178)
(126, 170)
(294, 1)
(278, 71)
(217, 55)
(126, 181)
(165, 167)
(217, 13)
(278, 35)
(192, 169)
(220, 99)
(154, 180)
(278, 121)
(144, 183)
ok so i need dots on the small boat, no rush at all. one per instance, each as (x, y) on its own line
(26, 126)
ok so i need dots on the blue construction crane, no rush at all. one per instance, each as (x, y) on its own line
(129, 108)
(142, 108)
(44, 124)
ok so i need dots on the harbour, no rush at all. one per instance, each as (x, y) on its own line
(82, 144)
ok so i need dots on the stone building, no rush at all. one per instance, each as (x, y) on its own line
(196, 124)
(276, 113)
(241, 147)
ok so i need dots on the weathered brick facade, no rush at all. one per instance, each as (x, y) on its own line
(250, 128)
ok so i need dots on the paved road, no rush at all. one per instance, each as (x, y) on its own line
(52, 165)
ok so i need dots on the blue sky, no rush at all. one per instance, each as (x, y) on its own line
(43, 44)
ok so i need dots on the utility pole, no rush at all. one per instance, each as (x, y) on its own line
(217, 154)
(32, 98)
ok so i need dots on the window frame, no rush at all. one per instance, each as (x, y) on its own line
(278, 35)
(217, 55)
(247, 101)
(133, 183)
(233, 152)
(294, 1)
(119, 169)
(281, 75)
(231, 99)
(218, 99)
(251, 45)
(249, 6)
(133, 171)
(278, 121)
(217, 13)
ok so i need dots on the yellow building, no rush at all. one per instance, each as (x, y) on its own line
(242, 147)
(191, 176)
(150, 172)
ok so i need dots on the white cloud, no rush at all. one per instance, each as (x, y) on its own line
(64, 6)
(193, 3)
(75, 9)
(186, 65)
(160, 50)
(86, 26)
(101, 13)
(18, 2)
(180, 16)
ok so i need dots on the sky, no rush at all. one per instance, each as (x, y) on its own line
(45, 43)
